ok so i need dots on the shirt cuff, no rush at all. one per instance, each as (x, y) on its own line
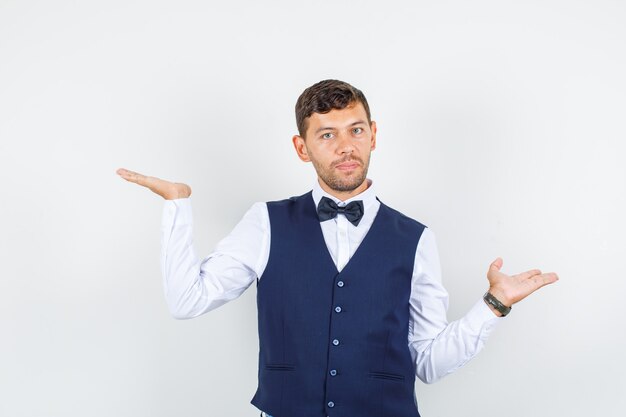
(481, 319)
(177, 213)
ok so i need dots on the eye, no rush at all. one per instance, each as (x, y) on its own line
(327, 136)
(357, 130)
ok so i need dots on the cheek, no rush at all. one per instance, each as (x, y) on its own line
(366, 147)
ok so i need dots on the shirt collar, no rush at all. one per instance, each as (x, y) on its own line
(368, 196)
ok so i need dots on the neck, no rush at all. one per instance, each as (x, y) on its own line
(343, 195)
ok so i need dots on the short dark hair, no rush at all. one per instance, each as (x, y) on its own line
(325, 96)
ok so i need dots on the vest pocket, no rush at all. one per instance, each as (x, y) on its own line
(279, 367)
(386, 375)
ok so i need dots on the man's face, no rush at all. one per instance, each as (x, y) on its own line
(339, 143)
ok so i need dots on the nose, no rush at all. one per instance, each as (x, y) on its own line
(344, 144)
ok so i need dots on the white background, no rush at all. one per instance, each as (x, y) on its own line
(501, 127)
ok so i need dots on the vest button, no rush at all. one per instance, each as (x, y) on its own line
(333, 372)
(335, 342)
(338, 309)
(340, 283)
(331, 404)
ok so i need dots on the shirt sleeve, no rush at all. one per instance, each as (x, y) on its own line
(439, 348)
(193, 286)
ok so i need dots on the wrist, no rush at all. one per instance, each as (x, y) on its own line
(501, 296)
(176, 191)
(496, 305)
(492, 308)
(184, 191)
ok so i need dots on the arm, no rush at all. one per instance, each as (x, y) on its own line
(439, 347)
(193, 287)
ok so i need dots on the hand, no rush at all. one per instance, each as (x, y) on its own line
(511, 289)
(167, 190)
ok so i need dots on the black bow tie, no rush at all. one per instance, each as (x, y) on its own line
(327, 209)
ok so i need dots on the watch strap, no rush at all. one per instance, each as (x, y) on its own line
(495, 303)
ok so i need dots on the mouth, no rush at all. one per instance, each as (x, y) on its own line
(347, 165)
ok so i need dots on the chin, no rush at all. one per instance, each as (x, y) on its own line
(349, 186)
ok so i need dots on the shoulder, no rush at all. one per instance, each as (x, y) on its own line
(289, 201)
(402, 218)
(255, 218)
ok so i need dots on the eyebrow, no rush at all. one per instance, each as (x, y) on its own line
(358, 122)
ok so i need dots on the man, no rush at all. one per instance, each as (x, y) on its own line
(351, 306)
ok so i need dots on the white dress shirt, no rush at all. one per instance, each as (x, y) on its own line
(193, 286)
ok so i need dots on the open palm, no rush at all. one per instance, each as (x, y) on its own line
(166, 189)
(511, 289)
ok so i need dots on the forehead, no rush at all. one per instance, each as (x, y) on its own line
(338, 118)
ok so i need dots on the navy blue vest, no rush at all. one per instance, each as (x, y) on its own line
(336, 343)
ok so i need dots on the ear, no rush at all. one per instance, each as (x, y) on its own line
(300, 146)
(373, 127)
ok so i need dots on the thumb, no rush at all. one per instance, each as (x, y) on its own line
(496, 265)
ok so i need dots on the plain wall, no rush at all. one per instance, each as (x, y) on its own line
(500, 126)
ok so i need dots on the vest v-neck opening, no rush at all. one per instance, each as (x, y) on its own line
(320, 235)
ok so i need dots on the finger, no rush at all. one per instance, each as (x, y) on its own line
(127, 174)
(528, 274)
(541, 280)
(550, 277)
(496, 265)
(133, 176)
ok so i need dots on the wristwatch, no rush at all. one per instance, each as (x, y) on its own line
(495, 303)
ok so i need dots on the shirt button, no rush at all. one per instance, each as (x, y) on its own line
(333, 372)
(331, 404)
(340, 283)
(335, 342)
(338, 309)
